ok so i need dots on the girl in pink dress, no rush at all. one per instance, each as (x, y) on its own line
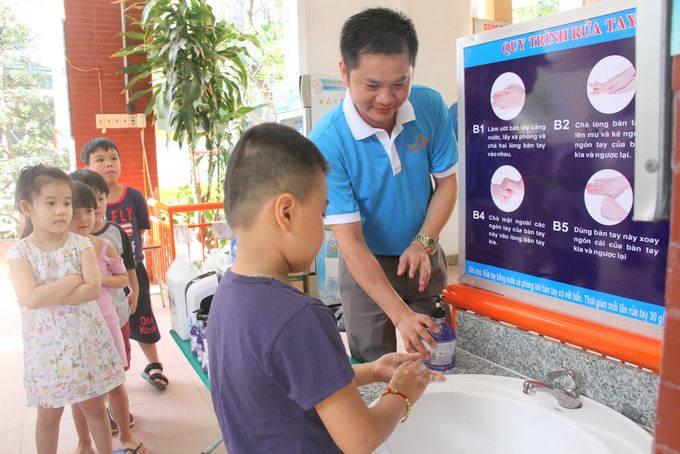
(110, 264)
(114, 275)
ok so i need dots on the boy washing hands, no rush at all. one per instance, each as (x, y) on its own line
(280, 378)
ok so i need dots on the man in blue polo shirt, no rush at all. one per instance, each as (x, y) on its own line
(383, 144)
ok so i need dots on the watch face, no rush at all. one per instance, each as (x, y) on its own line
(431, 246)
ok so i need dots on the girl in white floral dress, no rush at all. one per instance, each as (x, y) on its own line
(69, 355)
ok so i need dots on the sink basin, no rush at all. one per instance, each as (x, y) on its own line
(479, 414)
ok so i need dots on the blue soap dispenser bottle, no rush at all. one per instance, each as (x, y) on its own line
(195, 328)
(443, 356)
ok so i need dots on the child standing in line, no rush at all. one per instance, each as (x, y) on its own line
(279, 375)
(69, 356)
(124, 303)
(124, 299)
(113, 277)
(110, 263)
(127, 207)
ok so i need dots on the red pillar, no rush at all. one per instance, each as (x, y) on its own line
(95, 87)
(668, 410)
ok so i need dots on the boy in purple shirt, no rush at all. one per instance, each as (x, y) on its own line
(280, 378)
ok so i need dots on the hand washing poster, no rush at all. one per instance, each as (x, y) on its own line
(549, 146)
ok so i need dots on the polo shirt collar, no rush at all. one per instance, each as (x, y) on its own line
(361, 130)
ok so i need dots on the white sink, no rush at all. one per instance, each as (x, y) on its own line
(479, 414)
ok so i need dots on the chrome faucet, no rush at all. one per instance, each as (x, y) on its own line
(561, 384)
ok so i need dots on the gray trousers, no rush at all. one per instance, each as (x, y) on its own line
(370, 333)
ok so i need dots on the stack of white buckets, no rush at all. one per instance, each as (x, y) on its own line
(188, 287)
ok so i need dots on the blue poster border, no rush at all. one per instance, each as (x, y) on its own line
(600, 29)
(626, 307)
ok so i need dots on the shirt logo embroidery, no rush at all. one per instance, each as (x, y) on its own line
(127, 227)
(421, 142)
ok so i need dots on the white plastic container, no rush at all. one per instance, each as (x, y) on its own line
(217, 259)
(180, 273)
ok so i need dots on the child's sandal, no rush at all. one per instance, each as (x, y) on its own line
(112, 421)
(157, 379)
(139, 449)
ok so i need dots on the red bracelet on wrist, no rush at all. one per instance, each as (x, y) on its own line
(408, 402)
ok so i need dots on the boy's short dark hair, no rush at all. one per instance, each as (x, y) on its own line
(377, 31)
(91, 178)
(268, 160)
(95, 144)
(83, 196)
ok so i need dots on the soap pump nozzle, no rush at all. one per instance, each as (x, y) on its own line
(438, 311)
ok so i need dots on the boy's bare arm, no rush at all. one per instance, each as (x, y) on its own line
(133, 296)
(356, 428)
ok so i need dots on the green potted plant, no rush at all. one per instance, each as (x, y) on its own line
(196, 64)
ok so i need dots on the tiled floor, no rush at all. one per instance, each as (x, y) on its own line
(179, 420)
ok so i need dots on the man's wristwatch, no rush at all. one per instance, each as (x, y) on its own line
(428, 243)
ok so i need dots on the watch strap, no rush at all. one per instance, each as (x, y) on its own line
(428, 243)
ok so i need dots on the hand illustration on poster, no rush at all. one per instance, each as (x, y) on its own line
(608, 197)
(507, 96)
(507, 188)
(611, 84)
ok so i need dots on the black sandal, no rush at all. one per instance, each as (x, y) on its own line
(133, 451)
(157, 379)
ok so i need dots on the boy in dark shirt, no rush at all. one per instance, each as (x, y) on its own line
(279, 375)
(127, 207)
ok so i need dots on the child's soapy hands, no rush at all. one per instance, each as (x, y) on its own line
(383, 368)
(412, 377)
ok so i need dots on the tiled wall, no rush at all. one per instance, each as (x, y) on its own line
(90, 29)
(668, 412)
